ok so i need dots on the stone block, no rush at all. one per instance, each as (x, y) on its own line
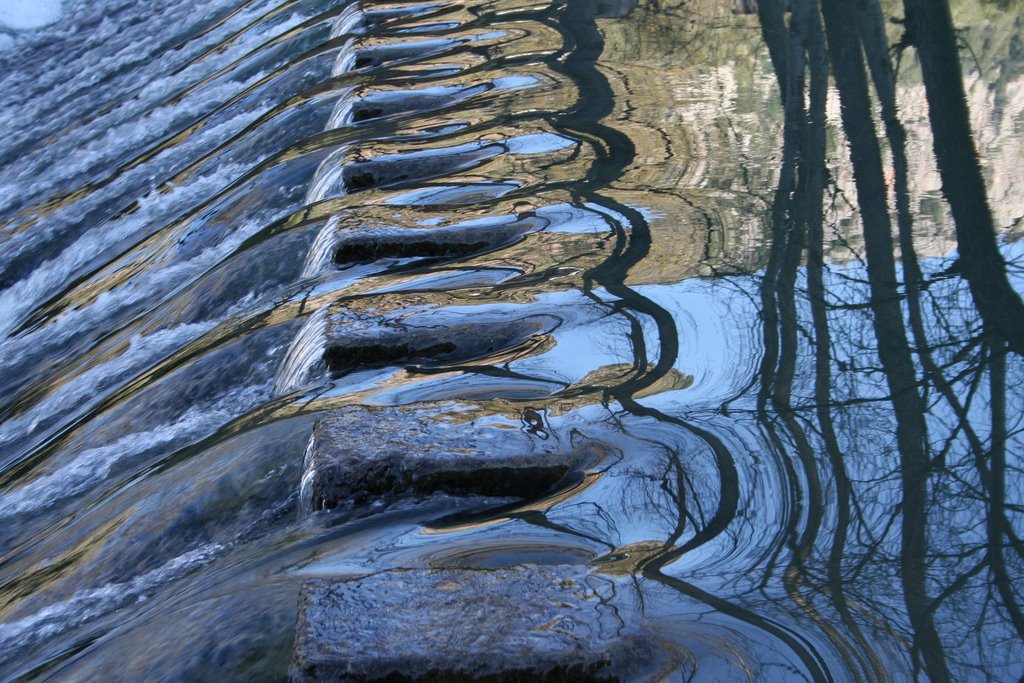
(386, 170)
(440, 336)
(362, 455)
(371, 244)
(385, 103)
(539, 623)
(394, 51)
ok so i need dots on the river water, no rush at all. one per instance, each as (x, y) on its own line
(817, 448)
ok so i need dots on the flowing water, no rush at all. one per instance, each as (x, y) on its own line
(817, 466)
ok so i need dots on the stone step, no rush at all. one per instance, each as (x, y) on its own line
(461, 239)
(375, 17)
(435, 329)
(374, 55)
(535, 235)
(386, 103)
(362, 455)
(392, 169)
(376, 51)
(516, 158)
(429, 340)
(524, 623)
(429, 330)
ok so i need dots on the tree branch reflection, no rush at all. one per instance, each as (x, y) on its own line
(886, 393)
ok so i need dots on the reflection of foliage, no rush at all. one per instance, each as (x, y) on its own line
(992, 30)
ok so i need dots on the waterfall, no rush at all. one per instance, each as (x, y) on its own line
(305, 354)
(321, 252)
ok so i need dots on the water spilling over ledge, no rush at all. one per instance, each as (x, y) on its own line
(624, 308)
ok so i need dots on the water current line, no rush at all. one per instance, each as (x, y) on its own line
(596, 102)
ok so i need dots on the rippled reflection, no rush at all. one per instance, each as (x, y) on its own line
(779, 283)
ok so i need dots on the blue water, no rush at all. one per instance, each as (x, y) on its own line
(175, 182)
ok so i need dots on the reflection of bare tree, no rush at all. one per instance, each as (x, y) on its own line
(880, 396)
(885, 399)
(893, 347)
(929, 27)
(797, 214)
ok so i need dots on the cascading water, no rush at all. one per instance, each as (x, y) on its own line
(305, 354)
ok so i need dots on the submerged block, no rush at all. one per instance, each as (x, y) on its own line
(359, 455)
(463, 239)
(392, 169)
(440, 336)
(543, 623)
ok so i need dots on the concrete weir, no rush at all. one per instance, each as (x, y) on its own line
(363, 455)
(525, 623)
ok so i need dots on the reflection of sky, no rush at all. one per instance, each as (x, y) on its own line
(1014, 253)
(587, 338)
(717, 323)
(29, 14)
(719, 328)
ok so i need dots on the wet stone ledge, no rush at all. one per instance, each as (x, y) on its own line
(471, 237)
(437, 337)
(378, 55)
(376, 105)
(526, 623)
(359, 455)
(388, 170)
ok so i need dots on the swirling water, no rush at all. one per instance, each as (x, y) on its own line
(177, 184)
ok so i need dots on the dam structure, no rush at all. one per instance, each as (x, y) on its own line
(506, 340)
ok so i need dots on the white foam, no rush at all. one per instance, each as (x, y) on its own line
(67, 160)
(102, 66)
(147, 285)
(329, 179)
(346, 59)
(321, 251)
(89, 604)
(349, 21)
(304, 355)
(342, 114)
(92, 466)
(90, 386)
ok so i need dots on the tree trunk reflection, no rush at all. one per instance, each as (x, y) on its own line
(950, 424)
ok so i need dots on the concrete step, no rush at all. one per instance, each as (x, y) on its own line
(373, 455)
(525, 623)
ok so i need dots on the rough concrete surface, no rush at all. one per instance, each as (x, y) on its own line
(540, 623)
(359, 455)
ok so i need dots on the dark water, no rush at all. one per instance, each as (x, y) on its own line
(817, 446)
